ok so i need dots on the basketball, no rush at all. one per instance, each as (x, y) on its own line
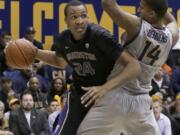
(20, 54)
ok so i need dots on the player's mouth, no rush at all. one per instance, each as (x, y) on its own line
(80, 29)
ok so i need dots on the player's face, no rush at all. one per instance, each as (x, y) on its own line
(146, 13)
(77, 21)
(27, 102)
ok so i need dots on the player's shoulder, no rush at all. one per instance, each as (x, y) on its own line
(98, 30)
(64, 34)
(148, 26)
(63, 37)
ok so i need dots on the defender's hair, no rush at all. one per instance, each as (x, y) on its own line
(73, 3)
(159, 6)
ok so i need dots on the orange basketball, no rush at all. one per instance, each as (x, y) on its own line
(20, 54)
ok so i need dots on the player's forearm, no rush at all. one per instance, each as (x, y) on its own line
(50, 58)
(111, 7)
(107, 3)
(123, 19)
(131, 71)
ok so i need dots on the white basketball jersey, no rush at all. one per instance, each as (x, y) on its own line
(151, 47)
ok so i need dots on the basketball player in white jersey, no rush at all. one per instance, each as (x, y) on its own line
(128, 108)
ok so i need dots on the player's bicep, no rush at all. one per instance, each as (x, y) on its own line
(175, 31)
(122, 18)
(125, 58)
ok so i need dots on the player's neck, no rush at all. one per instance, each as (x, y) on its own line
(157, 24)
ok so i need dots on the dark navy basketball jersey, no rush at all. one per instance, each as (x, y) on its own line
(91, 58)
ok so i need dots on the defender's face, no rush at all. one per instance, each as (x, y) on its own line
(77, 20)
(145, 12)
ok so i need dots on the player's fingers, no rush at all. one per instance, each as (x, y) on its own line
(87, 96)
(97, 100)
(86, 88)
(90, 101)
(89, 92)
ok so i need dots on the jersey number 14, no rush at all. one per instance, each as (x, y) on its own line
(153, 54)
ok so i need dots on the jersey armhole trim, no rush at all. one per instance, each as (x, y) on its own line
(135, 36)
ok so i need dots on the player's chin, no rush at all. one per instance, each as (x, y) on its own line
(80, 32)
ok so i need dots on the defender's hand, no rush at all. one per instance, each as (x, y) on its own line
(93, 95)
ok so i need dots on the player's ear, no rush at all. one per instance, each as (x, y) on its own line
(152, 14)
(65, 20)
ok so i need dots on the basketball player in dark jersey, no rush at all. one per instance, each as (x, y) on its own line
(92, 52)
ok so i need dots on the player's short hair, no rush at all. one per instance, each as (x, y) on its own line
(72, 3)
(159, 6)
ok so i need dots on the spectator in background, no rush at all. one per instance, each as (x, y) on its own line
(167, 69)
(6, 89)
(30, 35)
(13, 105)
(163, 121)
(5, 37)
(159, 97)
(40, 99)
(28, 120)
(57, 91)
(20, 79)
(54, 110)
(175, 118)
(175, 78)
(53, 106)
(52, 73)
(161, 83)
(3, 120)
